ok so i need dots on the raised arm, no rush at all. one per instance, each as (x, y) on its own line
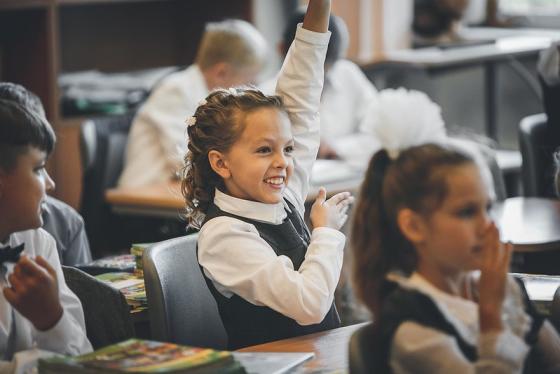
(317, 15)
(300, 84)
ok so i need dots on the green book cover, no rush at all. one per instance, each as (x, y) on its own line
(144, 356)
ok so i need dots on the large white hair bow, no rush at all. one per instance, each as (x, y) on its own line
(404, 118)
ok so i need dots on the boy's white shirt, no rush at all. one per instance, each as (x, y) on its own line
(416, 348)
(232, 252)
(157, 139)
(68, 335)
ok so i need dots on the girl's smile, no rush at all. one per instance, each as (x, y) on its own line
(259, 165)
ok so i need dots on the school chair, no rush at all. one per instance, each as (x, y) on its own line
(181, 307)
(106, 313)
(555, 310)
(102, 145)
(537, 147)
(361, 350)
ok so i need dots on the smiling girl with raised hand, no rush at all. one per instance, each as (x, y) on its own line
(245, 183)
(429, 264)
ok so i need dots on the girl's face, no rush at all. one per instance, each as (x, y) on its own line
(259, 165)
(452, 236)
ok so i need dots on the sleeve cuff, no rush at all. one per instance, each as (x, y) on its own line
(55, 339)
(503, 345)
(312, 37)
(327, 232)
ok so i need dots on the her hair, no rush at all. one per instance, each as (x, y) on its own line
(415, 180)
(217, 124)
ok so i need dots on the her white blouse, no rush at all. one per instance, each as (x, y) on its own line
(231, 251)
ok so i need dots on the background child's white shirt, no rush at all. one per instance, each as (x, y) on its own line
(157, 139)
(68, 336)
(417, 348)
(346, 108)
(232, 252)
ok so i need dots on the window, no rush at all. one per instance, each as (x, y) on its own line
(529, 7)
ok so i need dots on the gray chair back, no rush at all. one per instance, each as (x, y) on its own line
(537, 148)
(181, 307)
(361, 350)
(106, 313)
(102, 147)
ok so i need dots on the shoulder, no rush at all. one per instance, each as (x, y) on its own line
(37, 242)
(61, 210)
(224, 226)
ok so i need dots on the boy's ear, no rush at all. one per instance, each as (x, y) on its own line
(219, 164)
(412, 225)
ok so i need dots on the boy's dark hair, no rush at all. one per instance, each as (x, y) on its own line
(337, 44)
(22, 124)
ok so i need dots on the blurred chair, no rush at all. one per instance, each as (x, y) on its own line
(537, 147)
(555, 310)
(103, 143)
(106, 313)
(181, 306)
(361, 350)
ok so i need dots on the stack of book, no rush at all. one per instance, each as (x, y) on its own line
(145, 356)
(116, 263)
(131, 286)
(137, 251)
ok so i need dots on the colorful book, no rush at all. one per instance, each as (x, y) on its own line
(137, 250)
(131, 286)
(144, 356)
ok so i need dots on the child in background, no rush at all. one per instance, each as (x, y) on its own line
(37, 310)
(231, 53)
(346, 99)
(245, 184)
(59, 219)
(421, 232)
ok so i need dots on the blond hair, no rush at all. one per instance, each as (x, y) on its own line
(234, 41)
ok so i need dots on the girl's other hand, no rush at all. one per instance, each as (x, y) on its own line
(493, 278)
(332, 212)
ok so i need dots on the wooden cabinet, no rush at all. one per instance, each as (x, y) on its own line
(40, 39)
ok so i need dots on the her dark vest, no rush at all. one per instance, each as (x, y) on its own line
(402, 305)
(247, 324)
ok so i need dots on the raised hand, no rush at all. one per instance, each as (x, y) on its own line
(34, 292)
(317, 15)
(332, 212)
(493, 278)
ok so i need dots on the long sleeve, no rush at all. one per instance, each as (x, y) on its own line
(300, 84)
(227, 245)
(419, 349)
(68, 335)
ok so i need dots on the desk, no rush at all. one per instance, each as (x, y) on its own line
(165, 200)
(330, 348)
(532, 224)
(510, 43)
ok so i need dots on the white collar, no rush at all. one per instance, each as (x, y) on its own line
(269, 213)
(460, 312)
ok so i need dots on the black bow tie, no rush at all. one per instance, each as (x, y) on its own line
(9, 254)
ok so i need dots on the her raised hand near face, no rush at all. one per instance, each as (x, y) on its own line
(493, 279)
(332, 212)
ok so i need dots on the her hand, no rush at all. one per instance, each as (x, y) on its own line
(34, 292)
(493, 279)
(332, 212)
